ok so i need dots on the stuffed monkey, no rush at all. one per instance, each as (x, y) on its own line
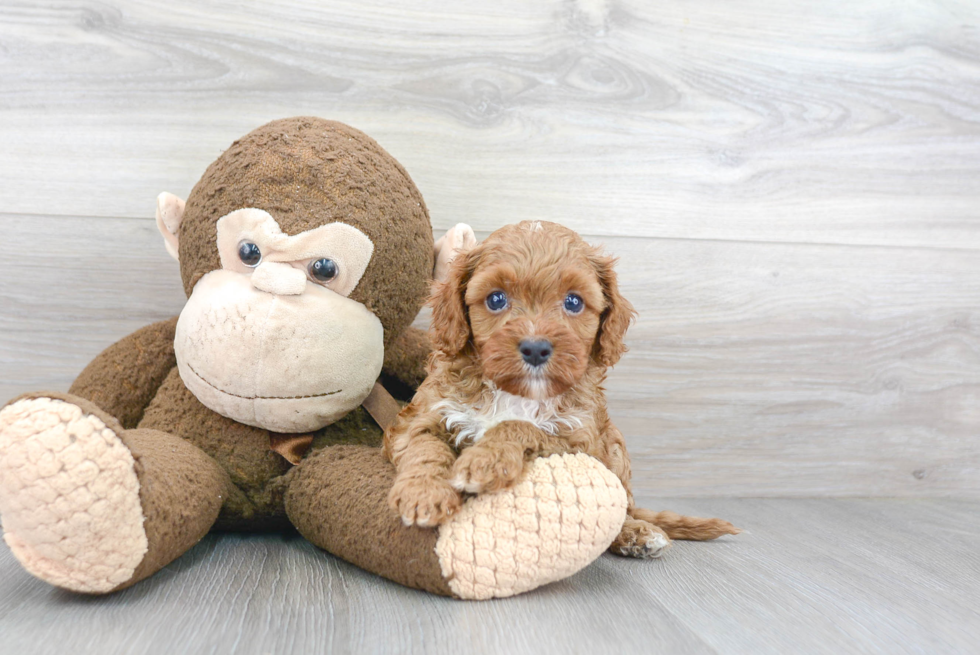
(305, 252)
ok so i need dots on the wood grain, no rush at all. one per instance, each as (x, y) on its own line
(808, 576)
(818, 123)
(792, 193)
(764, 369)
(69, 287)
(754, 369)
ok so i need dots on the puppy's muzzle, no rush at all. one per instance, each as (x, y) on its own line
(535, 352)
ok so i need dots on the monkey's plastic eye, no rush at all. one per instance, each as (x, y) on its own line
(497, 301)
(249, 253)
(323, 270)
(574, 303)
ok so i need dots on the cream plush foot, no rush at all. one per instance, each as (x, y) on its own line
(69, 495)
(557, 520)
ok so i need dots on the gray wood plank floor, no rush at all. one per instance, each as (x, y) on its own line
(792, 189)
(808, 576)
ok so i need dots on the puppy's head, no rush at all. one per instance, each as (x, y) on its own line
(536, 305)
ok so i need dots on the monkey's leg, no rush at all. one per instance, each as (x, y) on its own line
(561, 516)
(93, 508)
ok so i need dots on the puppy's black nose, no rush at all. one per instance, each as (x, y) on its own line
(535, 353)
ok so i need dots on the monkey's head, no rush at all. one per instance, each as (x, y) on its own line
(304, 250)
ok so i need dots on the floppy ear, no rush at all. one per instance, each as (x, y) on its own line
(617, 316)
(450, 329)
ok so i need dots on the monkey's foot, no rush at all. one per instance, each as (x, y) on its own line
(563, 514)
(69, 495)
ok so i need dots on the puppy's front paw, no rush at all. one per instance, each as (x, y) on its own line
(425, 502)
(640, 539)
(479, 469)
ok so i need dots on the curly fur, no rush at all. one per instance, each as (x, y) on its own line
(483, 411)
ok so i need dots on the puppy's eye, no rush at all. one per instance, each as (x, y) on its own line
(497, 301)
(249, 253)
(324, 270)
(574, 303)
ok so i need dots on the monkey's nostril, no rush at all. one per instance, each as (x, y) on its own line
(535, 353)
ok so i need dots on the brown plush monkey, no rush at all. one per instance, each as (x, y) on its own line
(305, 251)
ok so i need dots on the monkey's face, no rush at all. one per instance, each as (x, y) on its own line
(271, 338)
(304, 249)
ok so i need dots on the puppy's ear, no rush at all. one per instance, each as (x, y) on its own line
(450, 329)
(617, 316)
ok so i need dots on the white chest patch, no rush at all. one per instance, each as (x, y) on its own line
(468, 423)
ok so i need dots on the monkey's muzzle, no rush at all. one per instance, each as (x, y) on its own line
(285, 363)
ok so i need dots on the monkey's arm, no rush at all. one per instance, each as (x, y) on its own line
(405, 358)
(124, 378)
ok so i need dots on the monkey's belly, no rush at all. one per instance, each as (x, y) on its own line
(244, 451)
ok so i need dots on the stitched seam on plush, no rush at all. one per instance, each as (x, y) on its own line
(236, 395)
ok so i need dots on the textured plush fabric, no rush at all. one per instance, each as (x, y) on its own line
(69, 495)
(338, 499)
(558, 519)
(181, 492)
(307, 361)
(169, 468)
(458, 239)
(242, 450)
(170, 211)
(125, 376)
(554, 523)
(349, 248)
(306, 171)
(92, 508)
(405, 358)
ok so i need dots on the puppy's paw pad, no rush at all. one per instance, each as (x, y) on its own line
(479, 470)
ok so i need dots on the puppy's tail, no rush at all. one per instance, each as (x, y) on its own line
(691, 528)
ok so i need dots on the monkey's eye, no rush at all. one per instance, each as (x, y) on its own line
(497, 301)
(249, 253)
(323, 270)
(574, 303)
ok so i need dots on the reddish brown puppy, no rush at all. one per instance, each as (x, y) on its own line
(525, 328)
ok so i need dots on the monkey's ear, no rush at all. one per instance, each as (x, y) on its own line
(170, 211)
(458, 240)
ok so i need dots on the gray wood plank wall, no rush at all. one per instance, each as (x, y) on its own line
(793, 190)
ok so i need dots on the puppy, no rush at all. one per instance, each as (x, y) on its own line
(524, 328)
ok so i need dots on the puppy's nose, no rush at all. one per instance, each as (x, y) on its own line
(537, 352)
